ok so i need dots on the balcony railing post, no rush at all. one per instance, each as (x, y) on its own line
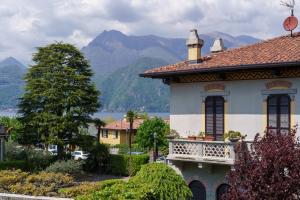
(170, 147)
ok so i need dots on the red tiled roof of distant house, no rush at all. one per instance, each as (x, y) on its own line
(280, 50)
(123, 124)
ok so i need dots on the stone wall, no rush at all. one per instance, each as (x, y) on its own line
(4, 196)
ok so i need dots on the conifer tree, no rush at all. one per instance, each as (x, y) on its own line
(59, 96)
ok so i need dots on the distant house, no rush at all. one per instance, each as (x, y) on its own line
(248, 89)
(117, 132)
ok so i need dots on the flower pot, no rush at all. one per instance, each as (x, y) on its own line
(234, 139)
(209, 138)
(192, 137)
(199, 138)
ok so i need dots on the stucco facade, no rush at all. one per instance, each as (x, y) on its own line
(111, 139)
(245, 110)
(245, 105)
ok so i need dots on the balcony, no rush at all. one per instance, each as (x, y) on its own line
(213, 152)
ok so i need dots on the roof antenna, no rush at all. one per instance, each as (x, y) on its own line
(291, 22)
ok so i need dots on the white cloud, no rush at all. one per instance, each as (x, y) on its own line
(28, 24)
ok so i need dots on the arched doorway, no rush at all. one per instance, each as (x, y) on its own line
(198, 190)
(222, 189)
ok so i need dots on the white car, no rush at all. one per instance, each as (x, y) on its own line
(80, 155)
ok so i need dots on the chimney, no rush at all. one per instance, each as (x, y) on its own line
(218, 46)
(194, 44)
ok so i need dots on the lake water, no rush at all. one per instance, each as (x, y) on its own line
(101, 115)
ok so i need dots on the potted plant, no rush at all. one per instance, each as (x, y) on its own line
(201, 136)
(173, 135)
(233, 136)
(192, 137)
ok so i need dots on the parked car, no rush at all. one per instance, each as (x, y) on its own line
(80, 155)
(53, 152)
(136, 153)
(161, 159)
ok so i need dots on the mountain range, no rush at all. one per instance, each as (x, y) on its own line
(117, 59)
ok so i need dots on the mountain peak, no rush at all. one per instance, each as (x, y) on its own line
(9, 61)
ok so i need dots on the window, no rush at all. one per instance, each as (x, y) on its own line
(278, 113)
(214, 117)
(116, 134)
(198, 190)
(104, 134)
(221, 190)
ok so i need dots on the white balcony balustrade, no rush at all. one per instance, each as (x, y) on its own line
(215, 152)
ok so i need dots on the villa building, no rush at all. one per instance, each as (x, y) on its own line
(248, 89)
(117, 132)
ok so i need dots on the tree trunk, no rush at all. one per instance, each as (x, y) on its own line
(60, 151)
(130, 134)
(98, 134)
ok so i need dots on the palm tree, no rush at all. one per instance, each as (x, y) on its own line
(130, 116)
(99, 124)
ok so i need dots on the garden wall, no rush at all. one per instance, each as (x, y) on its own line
(4, 196)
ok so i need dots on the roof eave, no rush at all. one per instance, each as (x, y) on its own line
(219, 69)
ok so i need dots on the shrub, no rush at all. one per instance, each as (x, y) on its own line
(153, 181)
(13, 151)
(35, 160)
(124, 148)
(121, 164)
(9, 178)
(87, 188)
(82, 189)
(70, 167)
(43, 183)
(98, 157)
(39, 160)
(163, 182)
(14, 164)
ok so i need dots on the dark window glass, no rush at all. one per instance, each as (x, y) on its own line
(278, 113)
(214, 116)
(198, 190)
(221, 190)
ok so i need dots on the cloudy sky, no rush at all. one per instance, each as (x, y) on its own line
(26, 24)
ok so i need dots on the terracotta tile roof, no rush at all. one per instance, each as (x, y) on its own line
(123, 125)
(280, 50)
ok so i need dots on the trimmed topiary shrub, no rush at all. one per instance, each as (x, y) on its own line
(153, 181)
(70, 167)
(124, 165)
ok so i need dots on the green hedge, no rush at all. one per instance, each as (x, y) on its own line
(14, 164)
(121, 164)
(124, 148)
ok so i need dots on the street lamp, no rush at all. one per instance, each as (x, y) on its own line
(3, 136)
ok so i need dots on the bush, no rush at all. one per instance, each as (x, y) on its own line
(121, 165)
(33, 184)
(9, 178)
(124, 148)
(39, 160)
(153, 181)
(70, 167)
(42, 184)
(35, 160)
(87, 188)
(14, 164)
(98, 157)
